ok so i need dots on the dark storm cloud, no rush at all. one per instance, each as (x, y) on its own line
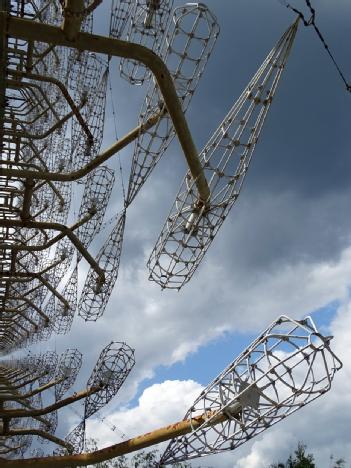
(302, 146)
(294, 206)
(295, 194)
(295, 202)
(268, 231)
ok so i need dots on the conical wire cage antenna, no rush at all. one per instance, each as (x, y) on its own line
(193, 223)
(287, 367)
(186, 50)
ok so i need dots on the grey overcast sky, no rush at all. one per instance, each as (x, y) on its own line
(284, 249)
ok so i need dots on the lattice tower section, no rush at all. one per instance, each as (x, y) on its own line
(33, 392)
(52, 126)
(186, 50)
(142, 22)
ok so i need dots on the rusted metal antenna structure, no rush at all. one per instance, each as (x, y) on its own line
(54, 82)
(32, 391)
(288, 366)
(56, 183)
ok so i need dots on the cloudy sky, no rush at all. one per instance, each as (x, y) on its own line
(284, 249)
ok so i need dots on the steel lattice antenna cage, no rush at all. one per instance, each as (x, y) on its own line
(193, 223)
(56, 183)
(288, 366)
(51, 132)
(111, 370)
(28, 384)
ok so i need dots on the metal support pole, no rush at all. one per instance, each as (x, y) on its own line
(31, 304)
(128, 446)
(73, 13)
(100, 159)
(29, 185)
(63, 90)
(66, 231)
(19, 413)
(39, 433)
(29, 30)
(32, 393)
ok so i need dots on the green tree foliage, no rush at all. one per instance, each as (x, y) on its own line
(141, 459)
(339, 463)
(301, 459)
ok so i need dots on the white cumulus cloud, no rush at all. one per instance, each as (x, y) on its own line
(159, 405)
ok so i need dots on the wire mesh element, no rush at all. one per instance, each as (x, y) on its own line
(64, 252)
(96, 195)
(52, 121)
(67, 370)
(37, 453)
(65, 313)
(60, 210)
(289, 365)
(26, 381)
(148, 22)
(95, 295)
(192, 225)
(48, 366)
(76, 438)
(49, 310)
(120, 14)
(110, 372)
(94, 92)
(50, 425)
(186, 50)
